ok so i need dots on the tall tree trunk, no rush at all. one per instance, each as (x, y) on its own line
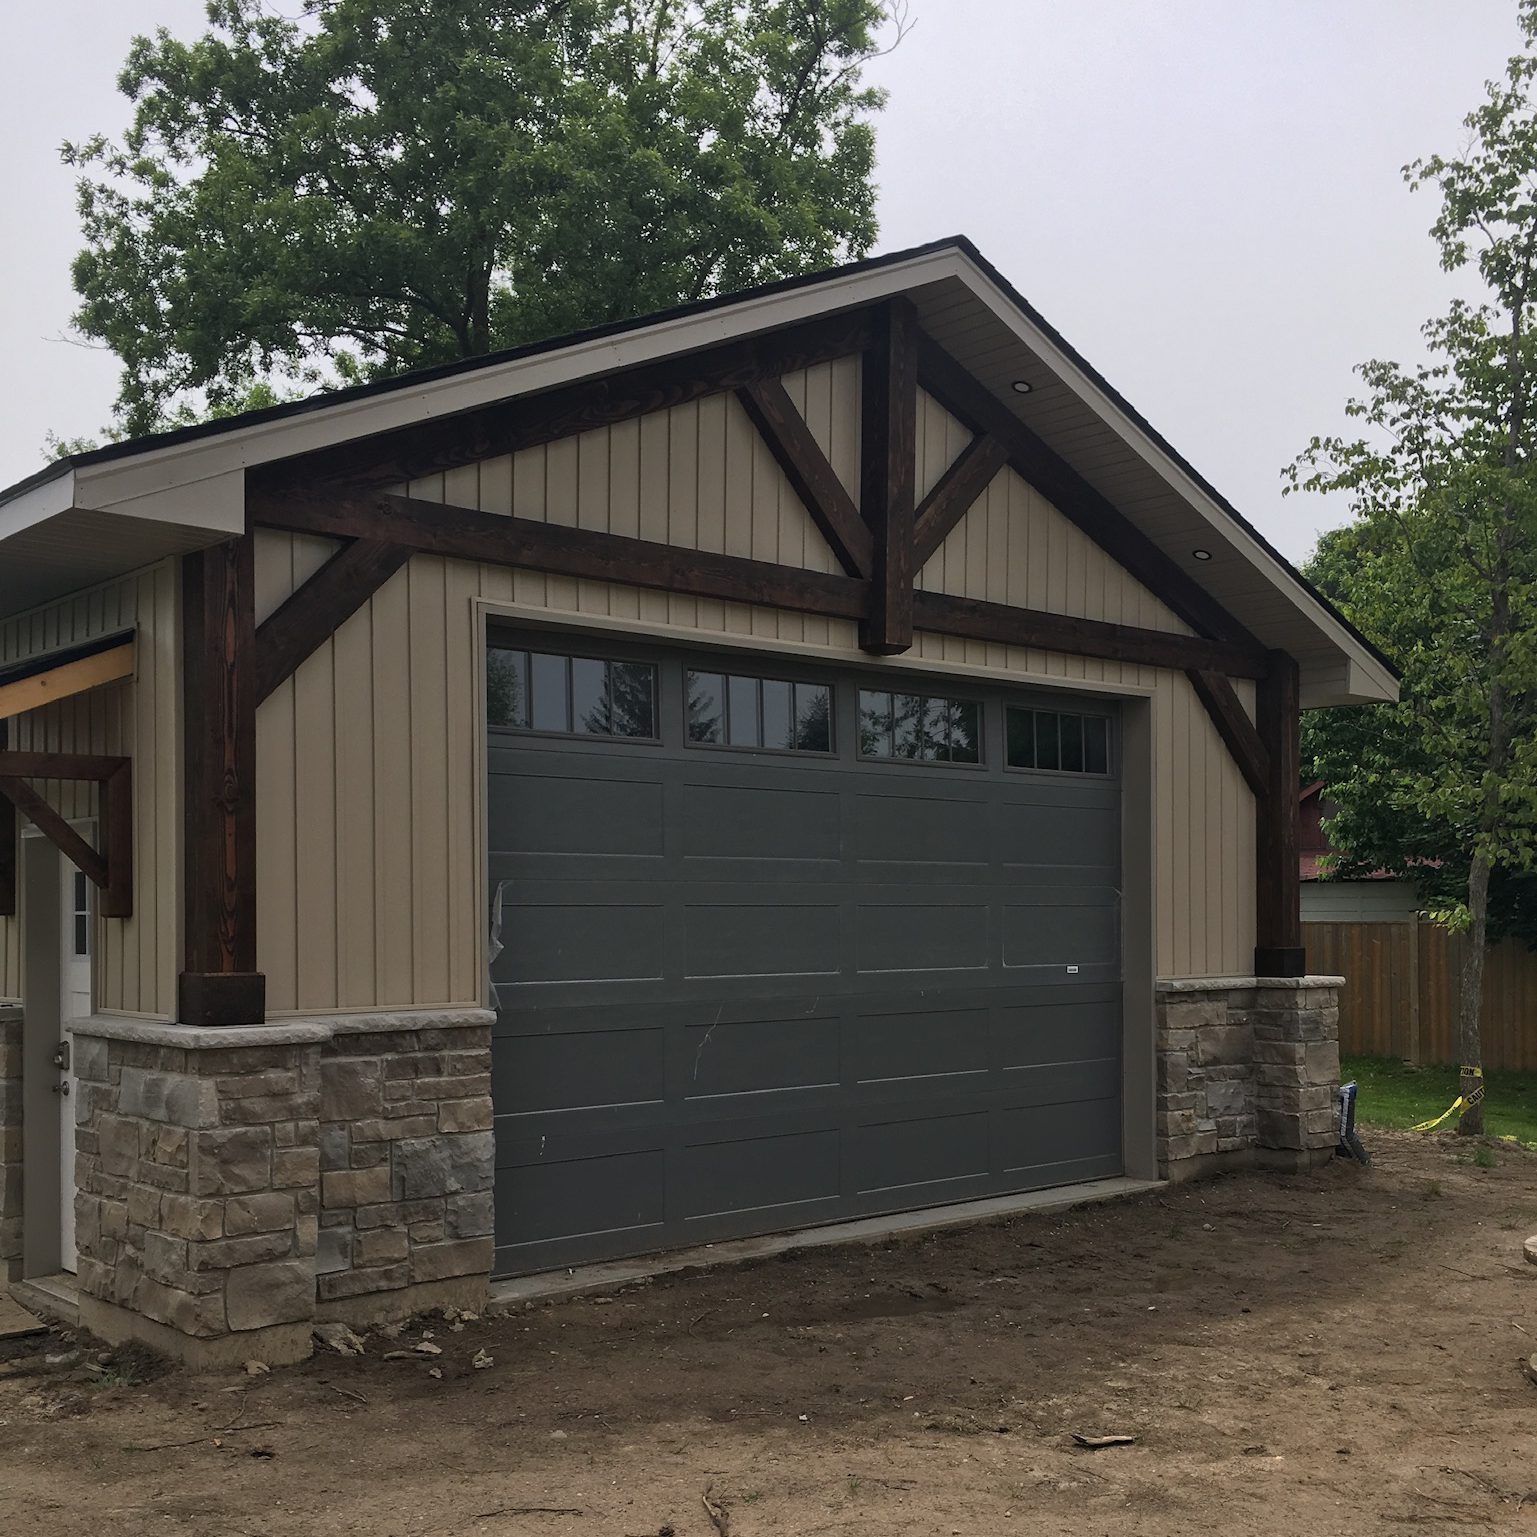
(1470, 1000)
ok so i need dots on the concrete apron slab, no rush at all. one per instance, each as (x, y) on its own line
(53, 1297)
(507, 1295)
(16, 1323)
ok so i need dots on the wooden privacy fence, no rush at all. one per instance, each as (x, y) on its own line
(1400, 995)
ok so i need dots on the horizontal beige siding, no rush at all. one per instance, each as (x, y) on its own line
(370, 867)
(135, 958)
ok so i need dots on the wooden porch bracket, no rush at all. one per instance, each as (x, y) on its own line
(954, 494)
(111, 867)
(320, 607)
(219, 983)
(1278, 899)
(813, 479)
(1237, 731)
(465, 533)
(888, 470)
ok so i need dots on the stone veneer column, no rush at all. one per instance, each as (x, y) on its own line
(10, 1142)
(1247, 1073)
(201, 1200)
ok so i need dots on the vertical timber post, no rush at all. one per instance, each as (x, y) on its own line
(1278, 948)
(8, 903)
(888, 470)
(219, 984)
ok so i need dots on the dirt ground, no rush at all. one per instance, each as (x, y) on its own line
(1331, 1353)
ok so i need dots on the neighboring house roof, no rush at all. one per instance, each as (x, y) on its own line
(94, 515)
(1313, 845)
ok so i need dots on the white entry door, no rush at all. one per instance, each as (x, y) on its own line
(74, 1003)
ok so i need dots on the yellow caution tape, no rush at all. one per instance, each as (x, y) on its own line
(1475, 1096)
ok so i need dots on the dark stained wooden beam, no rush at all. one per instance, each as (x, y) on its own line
(320, 607)
(974, 619)
(59, 765)
(55, 829)
(955, 493)
(115, 819)
(888, 465)
(464, 533)
(1233, 725)
(976, 406)
(507, 426)
(7, 843)
(219, 983)
(1278, 948)
(813, 479)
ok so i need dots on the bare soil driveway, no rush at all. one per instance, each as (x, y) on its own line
(1325, 1354)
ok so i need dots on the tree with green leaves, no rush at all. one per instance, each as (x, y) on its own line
(1440, 565)
(379, 185)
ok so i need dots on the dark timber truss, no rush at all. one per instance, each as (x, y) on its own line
(880, 542)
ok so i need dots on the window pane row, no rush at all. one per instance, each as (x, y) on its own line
(1057, 740)
(921, 727)
(579, 695)
(729, 710)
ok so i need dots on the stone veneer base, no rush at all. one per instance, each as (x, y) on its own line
(237, 1185)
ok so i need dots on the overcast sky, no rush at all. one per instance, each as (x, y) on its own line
(1202, 195)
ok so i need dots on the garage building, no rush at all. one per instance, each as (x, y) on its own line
(811, 755)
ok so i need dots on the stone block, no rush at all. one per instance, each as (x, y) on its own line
(355, 1187)
(1173, 1071)
(351, 1089)
(165, 1258)
(295, 1167)
(269, 1108)
(144, 1203)
(1323, 1062)
(389, 1129)
(335, 1147)
(258, 1296)
(177, 1098)
(1226, 1043)
(306, 1234)
(268, 1211)
(359, 1283)
(232, 1160)
(227, 1253)
(463, 1256)
(198, 1314)
(430, 1231)
(333, 1250)
(271, 1083)
(191, 1217)
(443, 1165)
(118, 1141)
(1279, 1129)
(465, 1114)
(397, 1213)
(1228, 1097)
(470, 1216)
(380, 1246)
(89, 1058)
(164, 1145)
(367, 1155)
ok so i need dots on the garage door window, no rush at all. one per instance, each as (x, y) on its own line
(571, 695)
(734, 710)
(921, 728)
(1058, 741)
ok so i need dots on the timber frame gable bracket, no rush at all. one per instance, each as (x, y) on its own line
(880, 545)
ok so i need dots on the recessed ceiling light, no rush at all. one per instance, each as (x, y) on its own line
(1022, 386)
(1201, 554)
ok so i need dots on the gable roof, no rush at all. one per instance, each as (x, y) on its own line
(81, 518)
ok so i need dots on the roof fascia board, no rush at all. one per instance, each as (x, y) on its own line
(47, 499)
(1381, 683)
(155, 473)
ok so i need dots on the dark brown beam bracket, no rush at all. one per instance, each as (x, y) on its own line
(976, 406)
(111, 868)
(954, 494)
(320, 607)
(219, 983)
(1278, 898)
(1233, 725)
(466, 534)
(888, 455)
(8, 835)
(510, 425)
(813, 479)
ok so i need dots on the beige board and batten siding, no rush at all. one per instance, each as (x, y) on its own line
(370, 870)
(134, 959)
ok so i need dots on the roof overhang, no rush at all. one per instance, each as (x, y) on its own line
(103, 513)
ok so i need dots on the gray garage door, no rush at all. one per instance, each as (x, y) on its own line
(783, 946)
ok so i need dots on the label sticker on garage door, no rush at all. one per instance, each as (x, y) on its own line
(1072, 971)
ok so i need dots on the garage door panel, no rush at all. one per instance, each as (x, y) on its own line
(752, 1173)
(747, 822)
(743, 991)
(788, 937)
(918, 830)
(920, 1043)
(758, 1056)
(919, 1151)
(581, 941)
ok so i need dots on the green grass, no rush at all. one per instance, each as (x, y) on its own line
(1395, 1094)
